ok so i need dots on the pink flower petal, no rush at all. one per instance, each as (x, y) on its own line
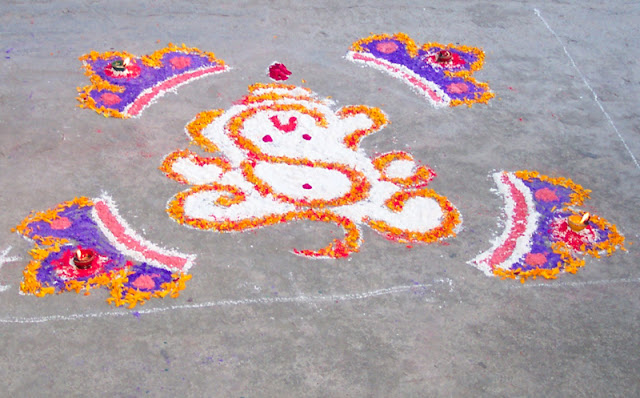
(535, 259)
(145, 282)
(457, 88)
(386, 47)
(180, 62)
(546, 195)
(61, 223)
(110, 99)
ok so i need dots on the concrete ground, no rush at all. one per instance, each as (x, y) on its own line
(258, 321)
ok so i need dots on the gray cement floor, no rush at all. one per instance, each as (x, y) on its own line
(257, 321)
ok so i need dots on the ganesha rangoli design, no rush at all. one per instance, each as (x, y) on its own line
(280, 154)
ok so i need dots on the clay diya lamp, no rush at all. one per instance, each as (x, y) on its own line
(83, 259)
(444, 56)
(578, 223)
(120, 65)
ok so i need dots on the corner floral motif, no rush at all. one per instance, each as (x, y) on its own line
(285, 155)
(131, 268)
(440, 73)
(123, 85)
(539, 239)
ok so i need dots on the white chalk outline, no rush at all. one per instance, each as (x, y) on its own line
(301, 299)
(584, 79)
(573, 284)
(4, 258)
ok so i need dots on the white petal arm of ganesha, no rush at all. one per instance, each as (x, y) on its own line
(280, 154)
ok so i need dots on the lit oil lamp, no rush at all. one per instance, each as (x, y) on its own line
(444, 56)
(577, 223)
(120, 65)
(83, 259)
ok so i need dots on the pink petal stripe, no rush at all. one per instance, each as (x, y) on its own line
(519, 226)
(124, 238)
(144, 100)
(409, 78)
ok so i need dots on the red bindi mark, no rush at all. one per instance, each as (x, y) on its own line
(306, 186)
(306, 137)
(267, 138)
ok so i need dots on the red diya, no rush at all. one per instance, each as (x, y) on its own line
(445, 59)
(444, 56)
(83, 258)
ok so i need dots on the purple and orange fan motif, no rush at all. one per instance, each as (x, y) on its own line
(545, 231)
(123, 85)
(440, 73)
(84, 244)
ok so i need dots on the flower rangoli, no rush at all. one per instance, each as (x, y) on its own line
(280, 154)
(441, 73)
(545, 233)
(131, 268)
(123, 85)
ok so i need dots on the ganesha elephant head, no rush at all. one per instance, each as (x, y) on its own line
(280, 154)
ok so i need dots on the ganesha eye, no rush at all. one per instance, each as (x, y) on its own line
(267, 138)
(306, 137)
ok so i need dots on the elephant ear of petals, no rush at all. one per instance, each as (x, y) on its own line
(189, 168)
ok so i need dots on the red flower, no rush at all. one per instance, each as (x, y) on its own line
(278, 71)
